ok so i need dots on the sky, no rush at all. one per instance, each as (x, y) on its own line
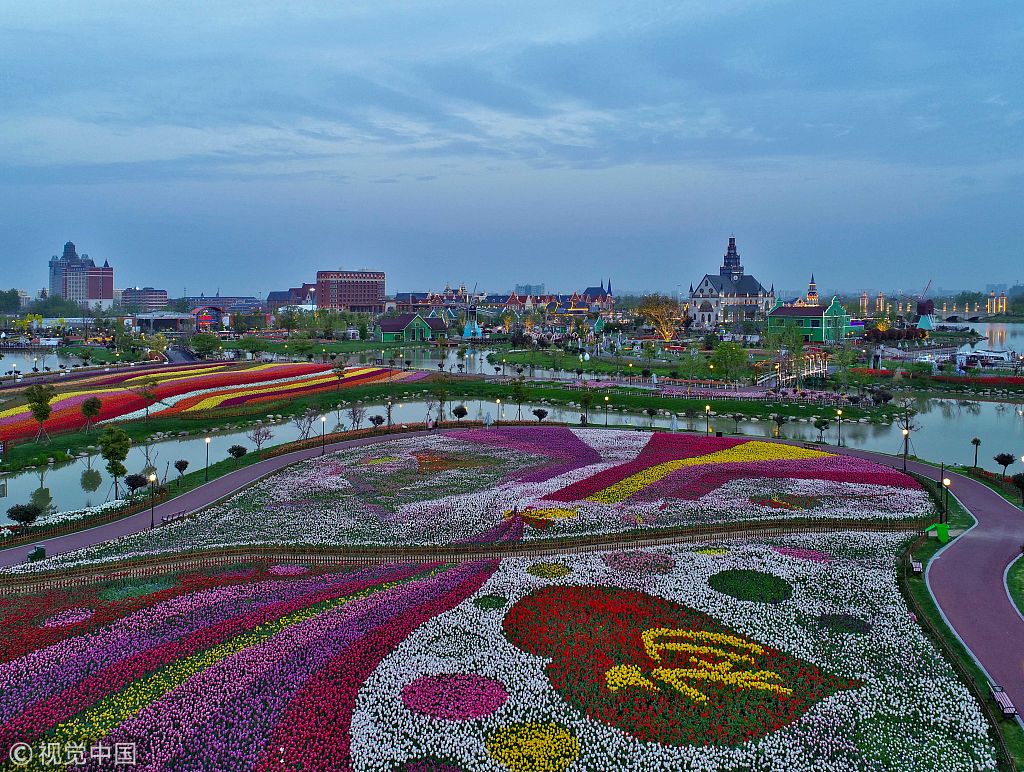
(244, 146)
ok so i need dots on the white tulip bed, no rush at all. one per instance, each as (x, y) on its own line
(908, 711)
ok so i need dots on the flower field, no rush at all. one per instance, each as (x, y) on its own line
(794, 653)
(188, 388)
(545, 482)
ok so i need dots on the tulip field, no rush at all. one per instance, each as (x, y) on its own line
(791, 653)
(468, 485)
(188, 389)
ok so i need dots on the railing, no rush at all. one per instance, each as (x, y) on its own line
(29, 534)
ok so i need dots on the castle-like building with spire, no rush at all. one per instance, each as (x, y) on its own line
(730, 295)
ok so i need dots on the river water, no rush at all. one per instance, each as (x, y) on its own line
(945, 428)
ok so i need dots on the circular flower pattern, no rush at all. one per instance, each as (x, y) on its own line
(747, 584)
(534, 747)
(490, 602)
(549, 570)
(454, 696)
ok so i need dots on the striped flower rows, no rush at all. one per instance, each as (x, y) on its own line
(120, 395)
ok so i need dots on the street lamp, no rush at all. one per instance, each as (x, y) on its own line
(605, 411)
(906, 441)
(946, 482)
(206, 475)
(707, 418)
(323, 434)
(839, 416)
(152, 501)
(497, 422)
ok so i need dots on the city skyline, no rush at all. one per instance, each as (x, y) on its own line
(513, 144)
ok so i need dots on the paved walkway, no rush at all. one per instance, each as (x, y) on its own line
(966, 577)
(187, 502)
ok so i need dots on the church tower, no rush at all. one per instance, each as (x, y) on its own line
(731, 263)
(812, 292)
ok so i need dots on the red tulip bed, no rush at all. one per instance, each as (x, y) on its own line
(790, 653)
(120, 401)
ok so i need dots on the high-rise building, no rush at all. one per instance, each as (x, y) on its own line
(78, 278)
(361, 291)
(531, 290)
(144, 300)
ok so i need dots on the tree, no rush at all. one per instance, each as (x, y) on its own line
(90, 409)
(135, 482)
(259, 435)
(90, 480)
(779, 420)
(1004, 460)
(586, 402)
(24, 514)
(339, 373)
(204, 344)
(540, 414)
(460, 412)
(376, 420)
(737, 417)
(302, 347)
(519, 396)
(38, 397)
(146, 392)
(821, 424)
(729, 359)
(304, 422)
(356, 414)
(236, 452)
(976, 442)
(651, 412)
(181, 465)
(441, 395)
(661, 312)
(1018, 483)
(252, 346)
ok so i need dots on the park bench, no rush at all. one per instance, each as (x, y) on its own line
(811, 445)
(1002, 699)
(916, 566)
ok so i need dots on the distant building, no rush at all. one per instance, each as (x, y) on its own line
(359, 291)
(77, 278)
(529, 289)
(304, 295)
(818, 323)
(810, 299)
(226, 304)
(144, 300)
(730, 295)
(409, 328)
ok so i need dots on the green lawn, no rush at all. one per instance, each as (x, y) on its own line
(1015, 583)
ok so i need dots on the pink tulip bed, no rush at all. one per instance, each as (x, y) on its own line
(792, 653)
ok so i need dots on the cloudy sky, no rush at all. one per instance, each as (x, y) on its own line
(244, 147)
